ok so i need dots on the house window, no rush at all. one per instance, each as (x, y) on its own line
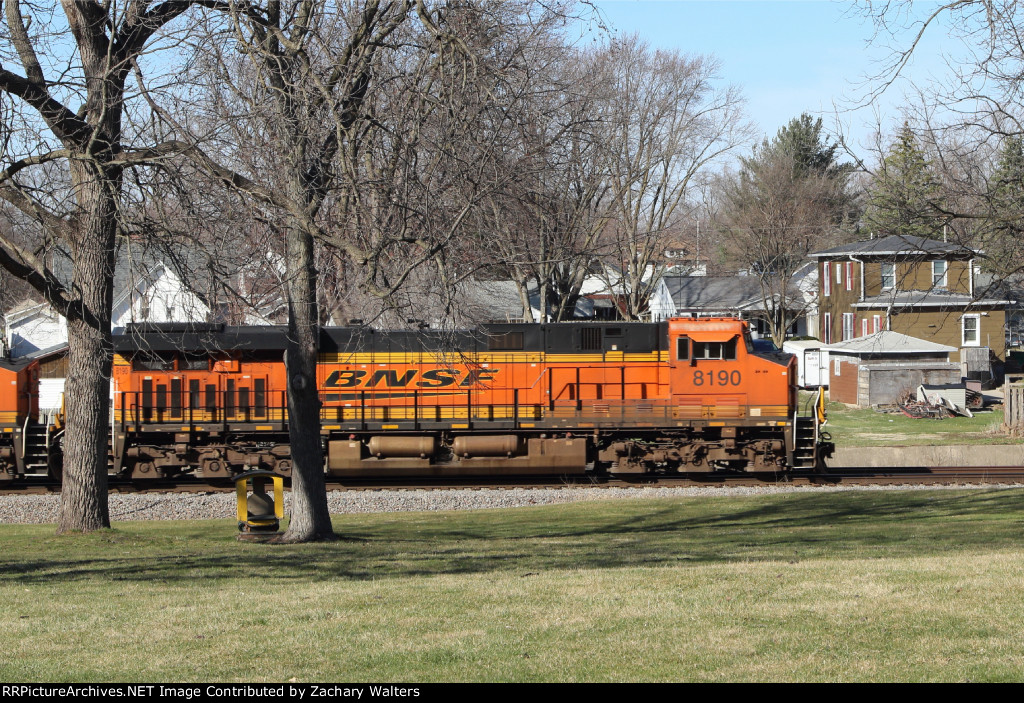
(826, 328)
(877, 323)
(888, 276)
(971, 329)
(938, 274)
(864, 327)
(839, 274)
(836, 368)
(847, 326)
(849, 275)
(827, 270)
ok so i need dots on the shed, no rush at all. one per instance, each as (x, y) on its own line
(886, 367)
(812, 362)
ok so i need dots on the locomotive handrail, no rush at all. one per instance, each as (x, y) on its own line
(24, 434)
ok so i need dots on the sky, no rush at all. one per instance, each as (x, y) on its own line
(787, 56)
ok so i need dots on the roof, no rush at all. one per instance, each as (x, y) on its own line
(54, 350)
(887, 342)
(482, 300)
(896, 244)
(198, 336)
(926, 298)
(801, 344)
(713, 293)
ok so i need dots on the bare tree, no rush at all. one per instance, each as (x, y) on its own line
(786, 200)
(543, 227)
(66, 144)
(364, 127)
(607, 158)
(665, 122)
(967, 120)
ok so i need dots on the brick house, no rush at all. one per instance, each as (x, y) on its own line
(920, 287)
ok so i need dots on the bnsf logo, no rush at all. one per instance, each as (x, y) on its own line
(390, 378)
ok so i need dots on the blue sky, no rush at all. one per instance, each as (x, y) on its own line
(788, 56)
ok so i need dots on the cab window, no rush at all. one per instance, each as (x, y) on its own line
(715, 350)
(682, 348)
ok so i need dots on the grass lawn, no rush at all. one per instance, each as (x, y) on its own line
(852, 427)
(860, 586)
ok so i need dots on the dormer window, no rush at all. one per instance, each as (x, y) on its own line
(938, 274)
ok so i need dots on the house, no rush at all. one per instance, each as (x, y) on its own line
(30, 327)
(155, 293)
(884, 367)
(729, 296)
(920, 287)
(160, 286)
(148, 287)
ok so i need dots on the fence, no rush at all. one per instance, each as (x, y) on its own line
(1013, 403)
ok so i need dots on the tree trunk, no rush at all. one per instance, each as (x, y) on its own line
(310, 518)
(83, 504)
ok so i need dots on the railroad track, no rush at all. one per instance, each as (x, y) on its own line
(936, 475)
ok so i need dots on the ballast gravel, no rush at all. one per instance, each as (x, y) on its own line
(35, 509)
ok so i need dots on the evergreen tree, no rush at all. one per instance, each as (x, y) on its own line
(1005, 237)
(803, 140)
(1008, 184)
(905, 197)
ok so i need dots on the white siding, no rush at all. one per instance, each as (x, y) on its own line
(50, 392)
(159, 297)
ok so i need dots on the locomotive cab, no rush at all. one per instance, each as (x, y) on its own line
(735, 400)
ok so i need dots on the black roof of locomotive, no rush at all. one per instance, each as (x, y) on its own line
(183, 336)
(16, 364)
(553, 337)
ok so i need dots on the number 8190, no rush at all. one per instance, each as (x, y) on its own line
(717, 378)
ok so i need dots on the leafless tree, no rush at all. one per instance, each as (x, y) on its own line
(68, 94)
(773, 220)
(666, 122)
(362, 129)
(542, 228)
(606, 161)
(969, 119)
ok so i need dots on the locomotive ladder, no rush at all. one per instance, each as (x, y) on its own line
(36, 450)
(805, 444)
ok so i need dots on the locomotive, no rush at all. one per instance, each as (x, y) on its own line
(609, 398)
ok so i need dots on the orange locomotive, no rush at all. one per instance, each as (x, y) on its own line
(19, 403)
(687, 395)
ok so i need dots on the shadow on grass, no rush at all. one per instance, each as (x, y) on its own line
(576, 536)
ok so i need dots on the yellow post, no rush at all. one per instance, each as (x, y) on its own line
(260, 519)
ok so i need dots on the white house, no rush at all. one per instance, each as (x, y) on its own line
(157, 294)
(30, 327)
